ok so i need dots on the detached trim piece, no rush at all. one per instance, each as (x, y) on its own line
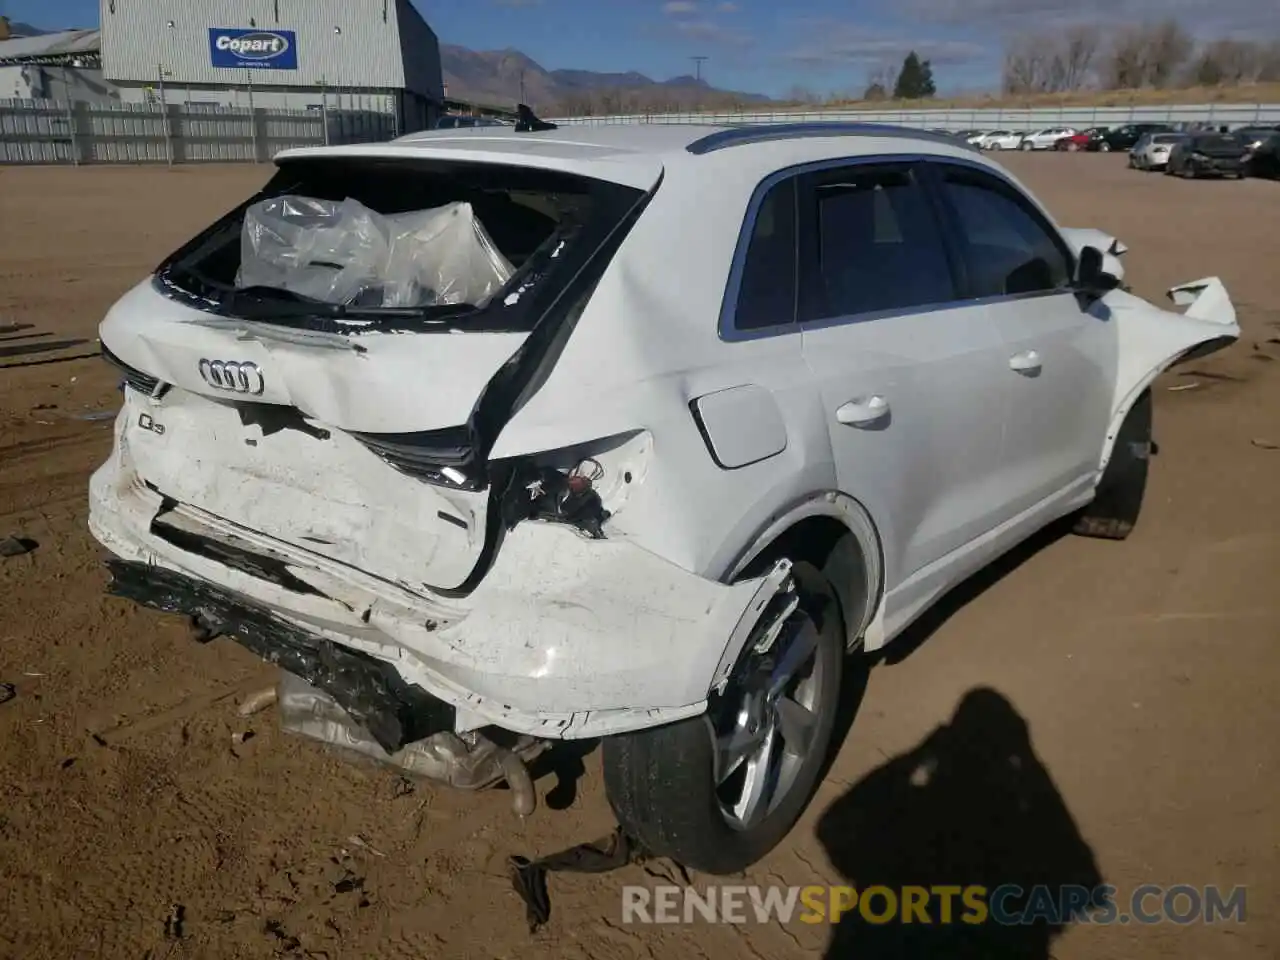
(377, 697)
(767, 132)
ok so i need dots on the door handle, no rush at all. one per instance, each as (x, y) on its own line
(1026, 362)
(862, 411)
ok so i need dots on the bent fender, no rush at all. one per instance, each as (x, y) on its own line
(1151, 339)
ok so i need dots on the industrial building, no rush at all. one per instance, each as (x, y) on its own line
(378, 56)
(54, 66)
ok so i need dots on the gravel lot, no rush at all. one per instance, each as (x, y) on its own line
(1139, 681)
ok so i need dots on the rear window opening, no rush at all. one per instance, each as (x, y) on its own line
(351, 244)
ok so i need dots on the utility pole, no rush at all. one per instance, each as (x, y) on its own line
(697, 67)
(522, 99)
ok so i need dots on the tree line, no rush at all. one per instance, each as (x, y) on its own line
(1156, 55)
(1159, 55)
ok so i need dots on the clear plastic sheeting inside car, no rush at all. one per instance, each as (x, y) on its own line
(344, 252)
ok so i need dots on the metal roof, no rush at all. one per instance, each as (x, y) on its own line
(66, 43)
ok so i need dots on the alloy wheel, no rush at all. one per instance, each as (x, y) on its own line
(764, 728)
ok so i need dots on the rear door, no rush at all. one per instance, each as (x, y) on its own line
(909, 379)
(1058, 359)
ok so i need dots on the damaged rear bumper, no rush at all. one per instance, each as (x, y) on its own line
(565, 637)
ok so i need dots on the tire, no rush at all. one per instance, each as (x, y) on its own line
(1026, 146)
(1114, 511)
(1104, 147)
(661, 782)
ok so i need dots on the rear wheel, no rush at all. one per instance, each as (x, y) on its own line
(1118, 501)
(717, 792)
(1104, 147)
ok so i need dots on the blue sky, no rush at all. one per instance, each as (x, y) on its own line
(825, 46)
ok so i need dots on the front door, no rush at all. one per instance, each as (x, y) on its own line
(1059, 357)
(910, 380)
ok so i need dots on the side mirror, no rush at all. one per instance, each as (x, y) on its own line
(1091, 274)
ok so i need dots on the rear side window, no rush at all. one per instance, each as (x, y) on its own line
(767, 293)
(874, 245)
(1008, 249)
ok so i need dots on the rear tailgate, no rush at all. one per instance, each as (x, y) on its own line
(366, 441)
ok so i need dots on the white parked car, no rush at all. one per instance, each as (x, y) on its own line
(1000, 140)
(1151, 152)
(1046, 139)
(637, 432)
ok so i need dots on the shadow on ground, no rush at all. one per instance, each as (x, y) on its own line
(971, 804)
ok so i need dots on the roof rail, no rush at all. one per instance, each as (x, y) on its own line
(765, 132)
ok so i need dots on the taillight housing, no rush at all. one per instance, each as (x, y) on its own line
(446, 458)
(143, 383)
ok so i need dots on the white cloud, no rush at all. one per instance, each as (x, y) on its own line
(1198, 16)
(835, 43)
(679, 8)
(704, 31)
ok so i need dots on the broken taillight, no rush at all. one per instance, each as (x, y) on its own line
(445, 458)
(546, 493)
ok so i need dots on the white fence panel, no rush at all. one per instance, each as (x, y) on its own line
(1229, 114)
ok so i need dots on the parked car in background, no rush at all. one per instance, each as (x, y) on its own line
(1151, 152)
(1252, 137)
(1045, 139)
(452, 121)
(1079, 141)
(1000, 140)
(1123, 138)
(1207, 155)
(1264, 159)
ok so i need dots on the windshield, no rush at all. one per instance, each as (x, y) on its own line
(397, 243)
(1166, 138)
(1217, 141)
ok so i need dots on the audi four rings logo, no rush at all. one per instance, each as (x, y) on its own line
(233, 376)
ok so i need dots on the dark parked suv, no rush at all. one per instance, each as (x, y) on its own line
(1207, 154)
(1264, 159)
(1123, 138)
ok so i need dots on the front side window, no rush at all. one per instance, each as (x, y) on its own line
(1007, 247)
(872, 244)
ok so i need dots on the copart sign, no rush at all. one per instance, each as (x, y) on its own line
(253, 49)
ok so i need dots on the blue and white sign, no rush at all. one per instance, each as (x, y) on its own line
(253, 49)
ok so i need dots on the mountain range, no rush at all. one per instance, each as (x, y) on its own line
(506, 77)
(19, 29)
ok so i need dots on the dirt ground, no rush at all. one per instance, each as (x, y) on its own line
(1140, 680)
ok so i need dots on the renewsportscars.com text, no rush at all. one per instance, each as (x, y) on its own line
(1005, 905)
